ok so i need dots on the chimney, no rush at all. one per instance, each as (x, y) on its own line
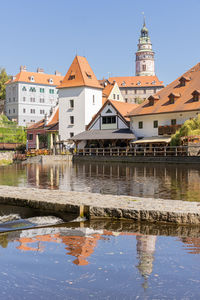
(57, 73)
(40, 70)
(22, 68)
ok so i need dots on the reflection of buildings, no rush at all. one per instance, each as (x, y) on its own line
(146, 245)
(191, 244)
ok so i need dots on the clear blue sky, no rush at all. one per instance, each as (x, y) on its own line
(49, 33)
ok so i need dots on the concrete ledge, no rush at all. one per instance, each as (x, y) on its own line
(103, 206)
(140, 159)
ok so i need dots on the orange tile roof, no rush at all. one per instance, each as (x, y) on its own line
(39, 78)
(80, 74)
(132, 81)
(55, 117)
(183, 96)
(107, 90)
(38, 125)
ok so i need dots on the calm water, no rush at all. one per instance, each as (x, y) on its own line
(93, 261)
(147, 180)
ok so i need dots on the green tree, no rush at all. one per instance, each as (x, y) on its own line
(3, 78)
(189, 128)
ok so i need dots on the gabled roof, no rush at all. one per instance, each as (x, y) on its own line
(52, 121)
(122, 108)
(184, 102)
(80, 74)
(39, 78)
(107, 90)
(137, 81)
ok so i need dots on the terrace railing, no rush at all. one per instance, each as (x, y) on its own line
(139, 151)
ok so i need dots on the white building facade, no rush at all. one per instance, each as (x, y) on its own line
(30, 96)
(80, 97)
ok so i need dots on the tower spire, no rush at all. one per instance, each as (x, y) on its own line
(144, 20)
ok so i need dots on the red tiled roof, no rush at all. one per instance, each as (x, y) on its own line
(40, 78)
(80, 74)
(183, 96)
(136, 81)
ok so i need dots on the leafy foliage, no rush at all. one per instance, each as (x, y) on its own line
(189, 128)
(3, 78)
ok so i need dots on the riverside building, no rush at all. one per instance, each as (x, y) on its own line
(31, 95)
(163, 113)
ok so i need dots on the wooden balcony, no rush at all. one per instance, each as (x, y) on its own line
(168, 129)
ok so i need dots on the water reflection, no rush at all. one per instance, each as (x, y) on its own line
(143, 180)
(126, 259)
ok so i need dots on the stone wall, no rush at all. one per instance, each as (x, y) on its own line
(140, 159)
(7, 155)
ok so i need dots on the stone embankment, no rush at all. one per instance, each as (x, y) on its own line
(103, 206)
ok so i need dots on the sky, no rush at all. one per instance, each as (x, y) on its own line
(48, 34)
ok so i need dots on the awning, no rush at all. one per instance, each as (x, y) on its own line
(106, 134)
(154, 139)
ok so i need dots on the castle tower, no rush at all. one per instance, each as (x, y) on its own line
(144, 55)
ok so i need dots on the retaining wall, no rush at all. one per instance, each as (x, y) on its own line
(140, 159)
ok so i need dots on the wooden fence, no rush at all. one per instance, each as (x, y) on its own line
(138, 151)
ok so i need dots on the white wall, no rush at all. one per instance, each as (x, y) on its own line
(163, 119)
(14, 100)
(83, 111)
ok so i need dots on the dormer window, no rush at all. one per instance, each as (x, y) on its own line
(183, 80)
(153, 99)
(195, 95)
(32, 79)
(71, 76)
(153, 82)
(89, 75)
(172, 97)
(51, 81)
(123, 83)
(138, 83)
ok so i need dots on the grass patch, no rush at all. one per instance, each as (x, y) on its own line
(5, 162)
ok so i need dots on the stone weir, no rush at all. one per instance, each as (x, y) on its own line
(93, 205)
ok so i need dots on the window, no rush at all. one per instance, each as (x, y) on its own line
(144, 91)
(71, 134)
(24, 99)
(93, 99)
(9, 99)
(71, 120)
(51, 81)
(41, 100)
(117, 97)
(32, 111)
(108, 111)
(9, 111)
(24, 89)
(13, 110)
(89, 75)
(126, 100)
(71, 103)
(24, 110)
(155, 124)
(109, 120)
(32, 121)
(13, 99)
(32, 79)
(30, 136)
(32, 99)
(143, 67)
(114, 96)
(42, 112)
(32, 89)
(135, 92)
(41, 90)
(140, 124)
(51, 91)
(71, 77)
(173, 122)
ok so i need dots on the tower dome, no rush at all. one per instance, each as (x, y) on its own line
(145, 54)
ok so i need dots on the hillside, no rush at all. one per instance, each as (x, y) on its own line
(10, 132)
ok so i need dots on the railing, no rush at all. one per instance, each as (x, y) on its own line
(139, 151)
(168, 129)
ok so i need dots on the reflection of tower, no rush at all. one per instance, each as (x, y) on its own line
(145, 249)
